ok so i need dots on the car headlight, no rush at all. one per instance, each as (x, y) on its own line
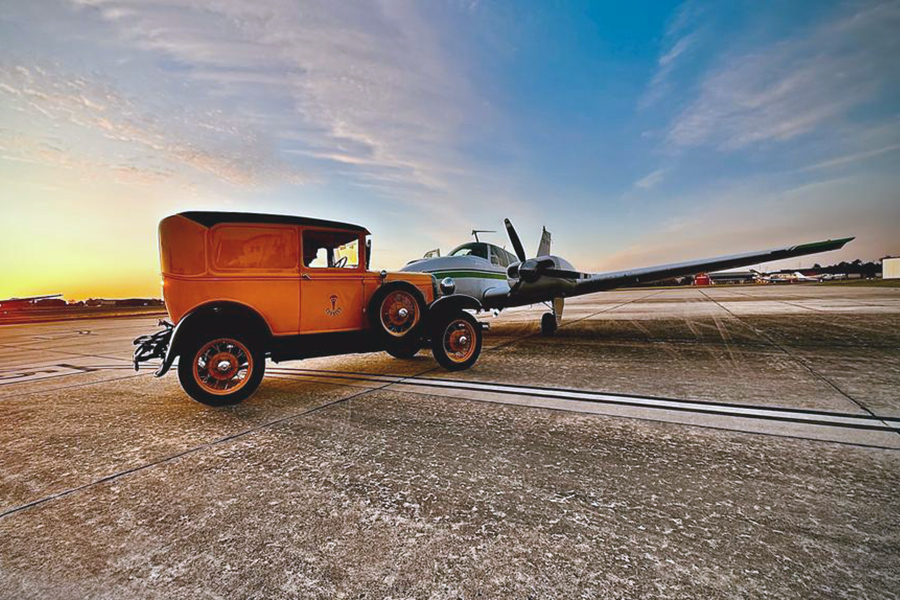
(448, 286)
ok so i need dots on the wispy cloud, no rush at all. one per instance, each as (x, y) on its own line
(681, 37)
(796, 86)
(651, 180)
(755, 214)
(846, 159)
(95, 110)
(367, 85)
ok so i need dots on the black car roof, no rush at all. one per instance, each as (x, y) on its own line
(210, 218)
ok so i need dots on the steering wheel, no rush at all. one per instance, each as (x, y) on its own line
(341, 263)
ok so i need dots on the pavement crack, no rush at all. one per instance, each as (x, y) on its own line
(212, 444)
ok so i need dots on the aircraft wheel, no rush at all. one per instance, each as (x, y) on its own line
(219, 370)
(396, 312)
(548, 324)
(456, 340)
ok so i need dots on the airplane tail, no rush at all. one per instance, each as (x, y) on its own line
(544, 245)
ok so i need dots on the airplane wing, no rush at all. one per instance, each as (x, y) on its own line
(576, 284)
(607, 281)
(28, 298)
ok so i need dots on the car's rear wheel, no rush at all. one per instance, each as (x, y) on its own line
(404, 348)
(456, 340)
(219, 370)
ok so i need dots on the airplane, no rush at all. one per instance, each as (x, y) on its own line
(498, 279)
(795, 277)
(770, 277)
(18, 302)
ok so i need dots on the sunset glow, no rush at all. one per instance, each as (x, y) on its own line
(637, 135)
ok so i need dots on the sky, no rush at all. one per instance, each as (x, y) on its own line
(638, 133)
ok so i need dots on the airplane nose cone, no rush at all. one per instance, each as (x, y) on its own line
(528, 271)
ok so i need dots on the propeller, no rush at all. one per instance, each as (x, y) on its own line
(529, 270)
(514, 239)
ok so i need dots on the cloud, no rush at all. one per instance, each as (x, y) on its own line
(99, 113)
(652, 180)
(796, 86)
(681, 38)
(755, 213)
(852, 158)
(366, 84)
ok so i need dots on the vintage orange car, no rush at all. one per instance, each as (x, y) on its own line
(243, 287)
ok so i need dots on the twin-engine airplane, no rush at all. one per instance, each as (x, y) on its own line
(498, 279)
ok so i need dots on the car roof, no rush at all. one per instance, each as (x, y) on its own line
(210, 218)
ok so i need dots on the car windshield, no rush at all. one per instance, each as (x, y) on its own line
(471, 249)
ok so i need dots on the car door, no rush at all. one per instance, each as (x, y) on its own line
(331, 281)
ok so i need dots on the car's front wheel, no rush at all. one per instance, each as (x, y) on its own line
(456, 340)
(219, 370)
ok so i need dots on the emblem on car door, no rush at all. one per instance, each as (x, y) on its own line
(334, 310)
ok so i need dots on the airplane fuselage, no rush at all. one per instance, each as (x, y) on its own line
(473, 275)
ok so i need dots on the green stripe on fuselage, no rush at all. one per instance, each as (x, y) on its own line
(465, 273)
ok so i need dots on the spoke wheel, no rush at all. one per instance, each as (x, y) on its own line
(222, 366)
(456, 340)
(459, 340)
(399, 313)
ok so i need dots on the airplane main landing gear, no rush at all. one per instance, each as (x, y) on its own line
(548, 324)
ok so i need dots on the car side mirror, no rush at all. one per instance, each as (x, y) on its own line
(368, 253)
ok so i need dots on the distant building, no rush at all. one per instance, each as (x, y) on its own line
(890, 268)
(50, 302)
(733, 277)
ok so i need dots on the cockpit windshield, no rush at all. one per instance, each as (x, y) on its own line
(471, 249)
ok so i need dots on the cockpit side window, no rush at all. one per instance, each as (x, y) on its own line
(499, 257)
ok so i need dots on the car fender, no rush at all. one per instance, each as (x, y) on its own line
(209, 312)
(455, 302)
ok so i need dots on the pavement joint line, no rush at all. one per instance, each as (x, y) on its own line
(207, 445)
(77, 317)
(66, 352)
(567, 323)
(640, 418)
(579, 391)
(4, 397)
(74, 370)
(797, 359)
(801, 416)
(830, 313)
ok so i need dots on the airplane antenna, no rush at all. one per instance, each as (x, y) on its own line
(475, 232)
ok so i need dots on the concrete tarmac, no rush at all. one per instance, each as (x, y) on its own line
(727, 442)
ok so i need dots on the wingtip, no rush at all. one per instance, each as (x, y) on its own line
(844, 241)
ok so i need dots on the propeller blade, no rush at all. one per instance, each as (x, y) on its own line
(514, 238)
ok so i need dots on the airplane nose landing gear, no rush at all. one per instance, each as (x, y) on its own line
(548, 324)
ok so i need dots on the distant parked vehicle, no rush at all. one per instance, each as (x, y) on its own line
(242, 287)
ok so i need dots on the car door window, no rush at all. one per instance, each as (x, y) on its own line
(330, 250)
